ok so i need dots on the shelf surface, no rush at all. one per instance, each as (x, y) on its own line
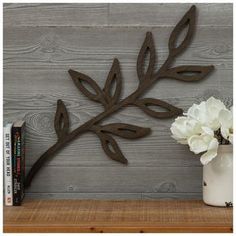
(116, 216)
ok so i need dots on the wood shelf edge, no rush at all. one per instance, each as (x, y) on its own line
(114, 229)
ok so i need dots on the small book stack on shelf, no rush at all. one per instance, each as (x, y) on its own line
(14, 162)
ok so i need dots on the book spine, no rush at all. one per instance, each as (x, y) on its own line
(22, 175)
(8, 167)
(16, 133)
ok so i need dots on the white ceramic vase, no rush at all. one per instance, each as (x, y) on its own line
(218, 178)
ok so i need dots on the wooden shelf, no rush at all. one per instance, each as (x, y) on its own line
(116, 216)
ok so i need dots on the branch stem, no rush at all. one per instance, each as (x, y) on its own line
(87, 125)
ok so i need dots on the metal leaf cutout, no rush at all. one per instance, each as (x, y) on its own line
(111, 148)
(146, 102)
(189, 20)
(188, 73)
(79, 78)
(148, 46)
(111, 101)
(61, 121)
(125, 130)
(114, 76)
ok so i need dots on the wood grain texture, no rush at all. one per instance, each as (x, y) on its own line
(88, 49)
(167, 14)
(64, 216)
(116, 196)
(87, 37)
(36, 14)
(117, 179)
(22, 14)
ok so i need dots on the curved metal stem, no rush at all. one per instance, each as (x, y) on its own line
(87, 125)
(146, 80)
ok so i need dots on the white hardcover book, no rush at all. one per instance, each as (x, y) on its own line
(7, 142)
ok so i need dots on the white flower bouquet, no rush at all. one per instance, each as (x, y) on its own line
(204, 127)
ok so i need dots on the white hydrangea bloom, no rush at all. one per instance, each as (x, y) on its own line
(183, 128)
(207, 113)
(197, 128)
(205, 142)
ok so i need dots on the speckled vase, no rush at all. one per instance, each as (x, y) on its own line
(218, 178)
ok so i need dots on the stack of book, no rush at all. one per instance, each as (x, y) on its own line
(14, 162)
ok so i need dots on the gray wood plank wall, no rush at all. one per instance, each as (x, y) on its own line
(43, 41)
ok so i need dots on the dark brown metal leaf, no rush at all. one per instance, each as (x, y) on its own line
(61, 121)
(79, 78)
(111, 148)
(148, 46)
(125, 130)
(146, 102)
(109, 145)
(189, 19)
(188, 73)
(114, 76)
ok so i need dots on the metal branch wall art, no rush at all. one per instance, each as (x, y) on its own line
(111, 100)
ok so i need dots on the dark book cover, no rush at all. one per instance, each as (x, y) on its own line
(18, 160)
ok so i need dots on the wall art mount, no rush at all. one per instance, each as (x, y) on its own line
(111, 100)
